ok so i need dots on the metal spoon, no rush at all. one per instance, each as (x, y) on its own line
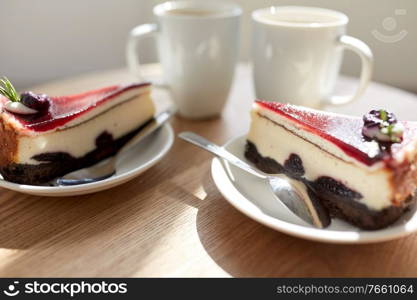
(106, 168)
(294, 194)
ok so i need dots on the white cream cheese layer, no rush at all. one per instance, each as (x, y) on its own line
(278, 143)
(134, 92)
(79, 136)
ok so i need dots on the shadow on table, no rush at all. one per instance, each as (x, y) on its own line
(245, 248)
(29, 220)
(92, 235)
(102, 234)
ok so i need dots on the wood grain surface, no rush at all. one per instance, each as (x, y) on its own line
(171, 221)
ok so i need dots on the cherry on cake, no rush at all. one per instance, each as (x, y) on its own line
(363, 170)
(43, 137)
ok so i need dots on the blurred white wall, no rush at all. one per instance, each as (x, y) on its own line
(42, 40)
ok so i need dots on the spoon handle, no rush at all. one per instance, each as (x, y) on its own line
(219, 151)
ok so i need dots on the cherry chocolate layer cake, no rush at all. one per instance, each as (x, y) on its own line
(362, 170)
(43, 137)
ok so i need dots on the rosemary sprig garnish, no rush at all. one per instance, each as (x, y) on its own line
(383, 115)
(382, 126)
(7, 90)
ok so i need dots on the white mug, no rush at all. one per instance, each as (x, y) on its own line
(297, 53)
(198, 51)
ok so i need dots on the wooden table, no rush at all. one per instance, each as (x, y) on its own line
(172, 221)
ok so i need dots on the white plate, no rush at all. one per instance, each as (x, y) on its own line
(134, 162)
(252, 197)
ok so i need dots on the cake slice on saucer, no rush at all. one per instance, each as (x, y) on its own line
(44, 137)
(362, 169)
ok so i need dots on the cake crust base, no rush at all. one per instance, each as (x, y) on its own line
(339, 204)
(58, 164)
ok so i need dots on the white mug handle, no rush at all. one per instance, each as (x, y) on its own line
(367, 61)
(136, 35)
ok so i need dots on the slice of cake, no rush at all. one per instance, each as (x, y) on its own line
(363, 170)
(44, 137)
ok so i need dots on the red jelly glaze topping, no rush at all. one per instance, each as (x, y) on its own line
(67, 108)
(343, 131)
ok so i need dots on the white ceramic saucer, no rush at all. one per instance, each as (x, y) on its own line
(252, 197)
(132, 163)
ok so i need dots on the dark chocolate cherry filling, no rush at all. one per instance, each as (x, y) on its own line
(325, 184)
(337, 199)
(323, 187)
(293, 166)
